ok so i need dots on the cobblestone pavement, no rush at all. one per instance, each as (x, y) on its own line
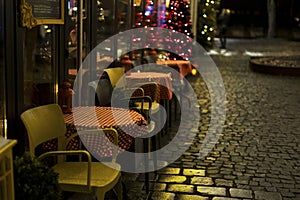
(258, 153)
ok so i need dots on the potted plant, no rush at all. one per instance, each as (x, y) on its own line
(34, 180)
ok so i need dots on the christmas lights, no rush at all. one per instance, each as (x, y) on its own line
(207, 22)
(178, 19)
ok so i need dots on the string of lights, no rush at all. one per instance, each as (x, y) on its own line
(207, 21)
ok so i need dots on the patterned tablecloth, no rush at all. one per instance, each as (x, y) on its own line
(128, 123)
(184, 66)
(162, 79)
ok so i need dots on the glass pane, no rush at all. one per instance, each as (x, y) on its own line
(72, 37)
(112, 17)
(123, 15)
(2, 71)
(105, 21)
(39, 78)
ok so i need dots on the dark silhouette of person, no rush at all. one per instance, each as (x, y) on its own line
(223, 20)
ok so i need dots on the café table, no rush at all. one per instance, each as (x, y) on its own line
(165, 92)
(185, 66)
(128, 123)
(162, 79)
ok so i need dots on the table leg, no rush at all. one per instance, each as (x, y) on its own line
(145, 143)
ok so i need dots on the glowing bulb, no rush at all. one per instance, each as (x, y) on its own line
(194, 72)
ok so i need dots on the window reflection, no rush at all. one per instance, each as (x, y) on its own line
(72, 36)
(38, 66)
(2, 71)
(110, 18)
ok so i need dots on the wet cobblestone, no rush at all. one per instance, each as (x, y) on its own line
(258, 154)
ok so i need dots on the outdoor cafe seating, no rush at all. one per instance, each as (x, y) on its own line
(150, 90)
(86, 177)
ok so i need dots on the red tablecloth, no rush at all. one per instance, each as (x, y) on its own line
(128, 123)
(184, 66)
(162, 79)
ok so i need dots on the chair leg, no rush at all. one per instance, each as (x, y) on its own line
(159, 139)
(100, 194)
(119, 189)
(146, 162)
(170, 112)
(175, 108)
(154, 144)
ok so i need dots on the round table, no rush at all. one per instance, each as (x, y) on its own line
(184, 66)
(128, 123)
(162, 79)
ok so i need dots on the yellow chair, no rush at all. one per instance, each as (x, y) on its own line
(46, 122)
(115, 75)
(150, 89)
(142, 104)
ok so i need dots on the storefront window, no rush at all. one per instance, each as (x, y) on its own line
(2, 71)
(109, 18)
(76, 42)
(39, 71)
(113, 17)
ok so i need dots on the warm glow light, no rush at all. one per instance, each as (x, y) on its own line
(137, 3)
(194, 72)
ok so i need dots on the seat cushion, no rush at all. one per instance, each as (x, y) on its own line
(75, 173)
(154, 106)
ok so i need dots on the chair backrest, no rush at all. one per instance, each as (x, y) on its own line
(114, 74)
(150, 89)
(104, 92)
(44, 123)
